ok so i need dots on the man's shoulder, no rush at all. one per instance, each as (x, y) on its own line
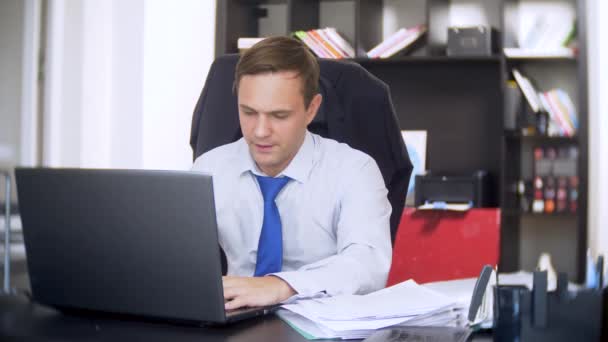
(218, 157)
(335, 152)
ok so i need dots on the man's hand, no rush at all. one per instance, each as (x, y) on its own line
(255, 291)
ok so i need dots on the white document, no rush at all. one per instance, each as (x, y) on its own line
(403, 299)
(357, 316)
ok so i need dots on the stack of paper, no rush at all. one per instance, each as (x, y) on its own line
(355, 316)
(461, 291)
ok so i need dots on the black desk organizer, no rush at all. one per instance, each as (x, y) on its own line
(539, 315)
(453, 189)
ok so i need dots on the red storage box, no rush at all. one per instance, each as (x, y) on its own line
(434, 245)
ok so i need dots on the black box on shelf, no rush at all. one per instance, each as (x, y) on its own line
(472, 41)
(453, 189)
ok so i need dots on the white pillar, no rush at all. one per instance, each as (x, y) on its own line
(598, 126)
(29, 85)
(122, 79)
(178, 50)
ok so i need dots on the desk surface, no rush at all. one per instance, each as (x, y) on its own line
(22, 319)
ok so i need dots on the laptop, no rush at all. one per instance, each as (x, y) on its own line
(128, 242)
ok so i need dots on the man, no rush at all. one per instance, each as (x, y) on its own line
(297, 214)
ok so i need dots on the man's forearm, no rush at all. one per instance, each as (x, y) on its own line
(359, 269)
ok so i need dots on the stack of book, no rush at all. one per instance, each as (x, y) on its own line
(562, 114)
(397, 42)
(326, 43)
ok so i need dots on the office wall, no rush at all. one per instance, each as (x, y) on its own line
(597, 30)
(122, 79)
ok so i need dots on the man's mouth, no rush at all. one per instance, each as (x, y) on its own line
(263, 147)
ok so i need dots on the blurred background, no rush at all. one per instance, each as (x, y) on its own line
(98, 83)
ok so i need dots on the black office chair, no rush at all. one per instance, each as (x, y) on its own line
(356, 110)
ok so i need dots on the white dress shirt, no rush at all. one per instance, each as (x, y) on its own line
(334, 214)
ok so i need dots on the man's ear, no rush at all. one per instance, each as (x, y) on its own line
(313, 108)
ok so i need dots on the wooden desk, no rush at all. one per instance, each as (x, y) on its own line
(21, 319)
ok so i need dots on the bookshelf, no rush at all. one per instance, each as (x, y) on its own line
(459, 100)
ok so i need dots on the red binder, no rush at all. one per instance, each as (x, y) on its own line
(434, 245)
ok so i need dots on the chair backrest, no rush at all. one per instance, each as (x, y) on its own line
(356, 110)
(443, 245)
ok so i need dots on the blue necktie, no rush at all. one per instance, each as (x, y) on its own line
(270, 246)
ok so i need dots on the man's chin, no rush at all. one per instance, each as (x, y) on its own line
(263, 159)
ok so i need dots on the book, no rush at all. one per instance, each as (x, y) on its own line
(326, 43)
(340, 41)
(326, 37)
(331, 52)
(512, 105)
(312, 44)
(561, 110)
(528, 90)
(412, 36)
(387, 43)
(244, 43)
(317, 41)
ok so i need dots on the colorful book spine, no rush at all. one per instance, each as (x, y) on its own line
(331, 52)
(339, 41)
(326, 37)
(316, 49)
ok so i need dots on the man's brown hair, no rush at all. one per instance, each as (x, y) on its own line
(276, 54)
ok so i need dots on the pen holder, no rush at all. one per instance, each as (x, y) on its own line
(507, 312)
(521, 314)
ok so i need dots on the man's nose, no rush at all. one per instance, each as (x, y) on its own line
(262, 127)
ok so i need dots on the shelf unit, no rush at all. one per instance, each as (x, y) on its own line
(459, 101)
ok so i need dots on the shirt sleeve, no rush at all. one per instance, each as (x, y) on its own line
(364, 250)
(200, 164)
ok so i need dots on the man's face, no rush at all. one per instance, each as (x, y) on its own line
(274, 118)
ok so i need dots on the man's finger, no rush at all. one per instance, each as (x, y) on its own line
(235, 303)
(230, 293)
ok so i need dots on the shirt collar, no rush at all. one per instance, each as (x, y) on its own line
(298, 169)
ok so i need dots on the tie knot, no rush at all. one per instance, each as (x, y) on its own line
(271, 186)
